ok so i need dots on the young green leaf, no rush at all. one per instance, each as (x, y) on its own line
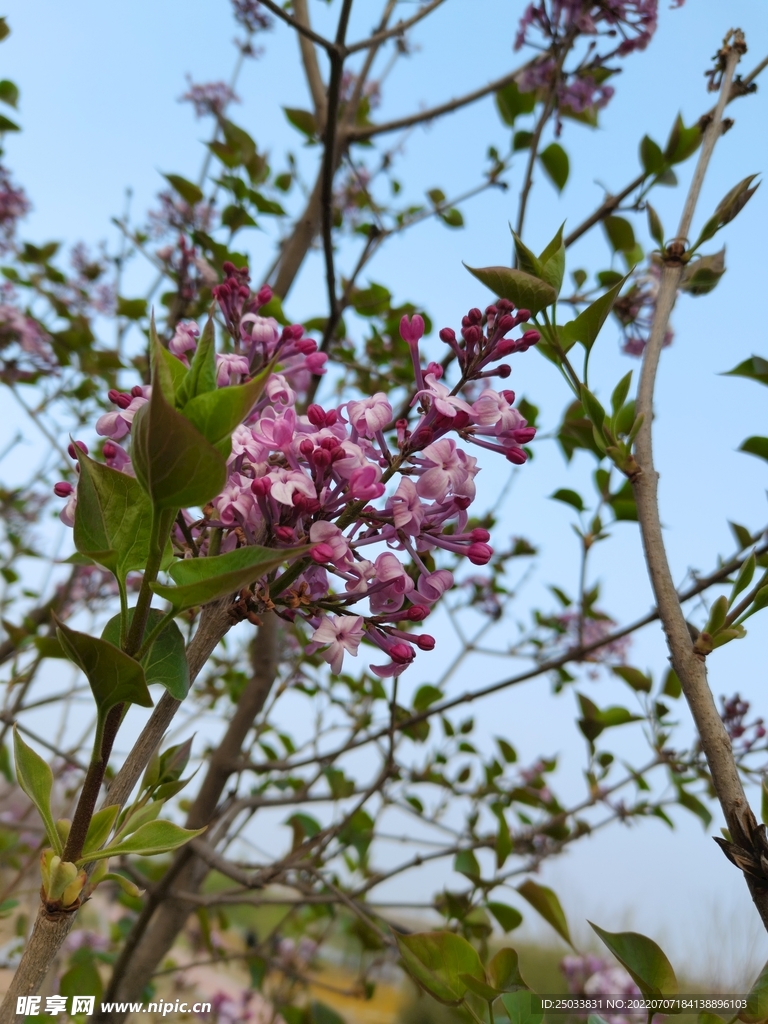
(651, 156)
(201, 376)
(547, 904)
(201, 580)
(620, 233)
(756, 446)
(552, 260)
(114, 677)
(174, 463)
(522, 1007)
(100, 827)
(643, 959)
(188, 191)
(757, 1000)
(701, 276)
(655, 226)
(503, 971)
(436, 959)
(525, 290)
(166, 660)
(638, 680)
(151, 838)
(508, 917)
(586, 327)
(755, 368)
(555, 162)
(112, 519)
(216, 413)
(36, 779)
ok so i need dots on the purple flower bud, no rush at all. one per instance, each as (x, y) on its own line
(425, 642)
(322, 553)
(412, 330)
(62, 489)
(479, 534)
(401, 653)
(479, 554)
(447, 335)
(81, 445)
(516, 456)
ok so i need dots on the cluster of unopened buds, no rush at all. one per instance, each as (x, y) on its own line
(374, 498)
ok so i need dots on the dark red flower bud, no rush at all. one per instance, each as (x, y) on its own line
(316, 415)
(284, 533)
(321, 553)
(81, 445)
(509, 396)
(261, 486)
(503, 371)
(472, 334)
(447, 335)
(530, 337)
(62, 489)
(462, 503)
(417, 613)
(137, 391)
(505, 323)
(330, 444)
(323, 458)
(306, 346)
(331, 417)
(401, 653)
(306, 448)
(524, 434)
(516, 456)
(479, 554)
(264, 295)
(475, 316)
(425, 642)
(109, 450)
(480, 534)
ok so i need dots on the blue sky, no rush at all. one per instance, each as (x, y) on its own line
(99, 89)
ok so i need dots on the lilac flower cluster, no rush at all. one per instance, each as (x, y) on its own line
(209, 97)
(636, 309)
(583, 631)
(321, 477)
(552, 25)
(743, 735)
(24, 344)
(592, 976)
(13, 206)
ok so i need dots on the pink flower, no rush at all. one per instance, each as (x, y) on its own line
(492, 409)
(117, 424)
(342, 633)
(449, 469)
(246, 443)
(229, 366)
(442, 399)
(371, 414)
(286, 483)
(236, 501)
(364, 483)
(330, 536)
(407, 510)
(432, 587)
(184, 338)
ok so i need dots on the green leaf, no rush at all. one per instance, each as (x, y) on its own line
(503, 971)
(216, 413)
(620, 233)
(521, 140)
(643, 959)
(555, 162)
(757, 1000)
(655, 226)
(569, 497)
(100, 827)
(114, 677)
(651, 156)
(465, 863)
(452, 218)
(552, 260)
(524, 290)
(319, 1013)
(112, 519)
(304, 120)
(701, 276)
(82, 979)
(166, 661)
(742, 535)
(200, 580)
(201, 376)
(638, 680)
(756, 446)
(9, 92)
(587, 325)
(672, 687)
(188, 191)
(683, 142)
(6, 125)
(620, 392)
(695, 806)
(504, 843)
(131, 309)
(522, 1008)
(155, 837)
(174, 463)
(526, 260)
(755, 368)
(36, 779)
(510, 102)
(548, 906)
(436, 959)
(508, 917)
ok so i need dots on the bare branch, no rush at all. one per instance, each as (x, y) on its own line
(397, 30)
(310, 62)
(298, 25)
(368, 131)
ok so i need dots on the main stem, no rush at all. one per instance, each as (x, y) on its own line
(688, 663)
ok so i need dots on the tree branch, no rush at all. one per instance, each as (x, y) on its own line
(297, 24)
(310, 62)
(397, 30)
(687, 662)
